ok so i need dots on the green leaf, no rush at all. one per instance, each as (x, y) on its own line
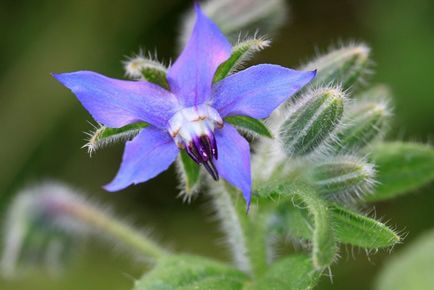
(249, 124)
(103, 136)
(240, 54)
(362, 231)
(402, 167)
(349, 227)
(290, 273)
(182, 272)
(190, 174)
(411, 268)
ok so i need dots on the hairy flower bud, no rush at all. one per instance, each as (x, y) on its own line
(365, 122)
(312, 122)
(343, 177)
(344, 66)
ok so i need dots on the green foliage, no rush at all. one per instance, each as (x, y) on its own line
(289, 273)
(412, 268)
(312, 121)
(361, 231)
(250, 125)
(402, 167)
(350, 227)
(103, 136)
(345, 66)
(241, 53)
(322, 235)
(182, 272)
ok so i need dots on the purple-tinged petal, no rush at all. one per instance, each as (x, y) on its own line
(258, 90)
(190, 77)
(148, 154)
(233, 163)
(116, 103)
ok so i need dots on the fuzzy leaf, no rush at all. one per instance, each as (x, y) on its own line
(104, 136)
(290, 273)
(182, 272)
(249, 124)
(190, 173)
(362, 231)
(412, 268)
(402, 167)
(240, 54)
(350, 227)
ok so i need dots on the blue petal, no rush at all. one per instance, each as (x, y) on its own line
(147, 155)
(233, 163)
(190, 77)
(116, 103)
(258, 90)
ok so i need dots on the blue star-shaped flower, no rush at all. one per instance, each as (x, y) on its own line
(191, 115)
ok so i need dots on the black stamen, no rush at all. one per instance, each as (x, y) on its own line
(209, 166)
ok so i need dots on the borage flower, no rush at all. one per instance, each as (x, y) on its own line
(191, 115)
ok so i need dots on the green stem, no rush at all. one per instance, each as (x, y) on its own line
(115, 229)
(246, 233)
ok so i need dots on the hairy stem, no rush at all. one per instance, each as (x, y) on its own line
(246, 239)
(114, 229)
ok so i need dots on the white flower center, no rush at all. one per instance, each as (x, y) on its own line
(192, 129)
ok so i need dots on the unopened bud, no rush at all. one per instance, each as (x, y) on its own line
(312, 122)
(344, 66)
(342, 178)
(365, 122)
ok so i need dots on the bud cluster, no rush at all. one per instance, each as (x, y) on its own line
(323, 133)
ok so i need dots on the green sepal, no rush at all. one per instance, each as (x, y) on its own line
(103, 136)
(182, 272)
(402, 167)
(240, 54)
(290, 273)
(147, 69)
(251, 125)
(190, 174)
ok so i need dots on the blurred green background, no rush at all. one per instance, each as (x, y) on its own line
(42, 124)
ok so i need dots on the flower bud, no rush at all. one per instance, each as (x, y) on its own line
(343, 178)
(312, 122)
(365, 122)
(344, 66)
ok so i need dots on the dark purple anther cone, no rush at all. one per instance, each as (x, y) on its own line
(203, 150)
